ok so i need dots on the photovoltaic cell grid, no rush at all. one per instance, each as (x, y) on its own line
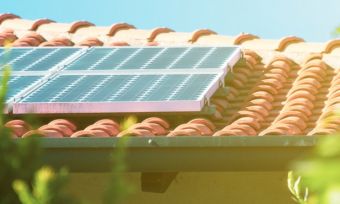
(36, 59)
(134, 79)
(110, 88)
(153, 58)
(29, 66)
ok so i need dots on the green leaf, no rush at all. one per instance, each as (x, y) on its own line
(23, 192)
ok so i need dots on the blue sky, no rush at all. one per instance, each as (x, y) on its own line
(314, 20)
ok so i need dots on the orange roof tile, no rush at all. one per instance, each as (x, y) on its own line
(281, 87)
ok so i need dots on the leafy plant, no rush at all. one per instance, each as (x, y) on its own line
(294, 186)
(321, 171)
(18, 160)
(48, 188)
(118, 189)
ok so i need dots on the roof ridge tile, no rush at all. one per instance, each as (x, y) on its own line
(286, 41)
(6, 16)
(114, 28)
(242, 37)
(200, 32)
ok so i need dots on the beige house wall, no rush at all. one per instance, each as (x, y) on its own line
(195, 188)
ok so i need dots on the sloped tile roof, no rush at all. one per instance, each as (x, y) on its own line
(282, 87)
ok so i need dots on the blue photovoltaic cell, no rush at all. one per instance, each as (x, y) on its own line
(111, 88)
(112, 61)
(164, 60)
(152, 58)
(217, 58)
(16, 84)
(89, 58)
(8, 55)
(35, 59)
(141, 58)
(191, 58)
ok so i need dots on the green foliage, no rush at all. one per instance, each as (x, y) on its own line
(321, 172)
(337, 31)
(296, 189)
(118, 189)
(18, 159)
(48, 188)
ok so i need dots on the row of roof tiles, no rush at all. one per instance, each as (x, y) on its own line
(152, 126)
(45, 32)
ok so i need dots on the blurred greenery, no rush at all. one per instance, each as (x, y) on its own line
(320, 172)
(18, 160)
(336, 32)
(48, 188)
(118, 189)
(298, 195)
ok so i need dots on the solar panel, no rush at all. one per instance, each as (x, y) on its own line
(153, 58)
(129, 79)
(19, 84)
(107, 93)
(35, 59)
(30, 67)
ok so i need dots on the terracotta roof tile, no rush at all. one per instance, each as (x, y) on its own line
(7, 36)
(91, 41)
(286, 41)
(58, 41)
(241, 38)
(331, 45)
(199, 33)
(7, 16)
(281, 87)
(30, 39)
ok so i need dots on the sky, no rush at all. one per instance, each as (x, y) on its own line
(313, 20)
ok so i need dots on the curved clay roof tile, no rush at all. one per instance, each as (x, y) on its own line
(280, 58)
(7, 37)
(152, 44)
(6, 16)
(315, 63)
(198, 33)
(286, 41)
(241, 38)
(157, 120)
(59, 41)
(91, 42)
(31, 39)
(119, 26)
(331, 45)
(34, 35)
(64, 41)
(313, 56)
(119, 43)
(40, 22)
(203, 121)
(253, 54)
(79, 24)
(155, 32)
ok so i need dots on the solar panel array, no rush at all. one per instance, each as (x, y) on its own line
(106, 80)
(30, 67)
